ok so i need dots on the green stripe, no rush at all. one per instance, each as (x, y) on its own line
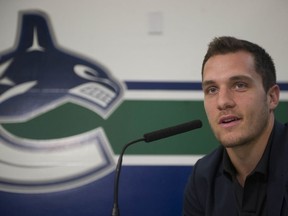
(130, 121)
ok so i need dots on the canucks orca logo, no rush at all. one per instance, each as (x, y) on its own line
(35, 78)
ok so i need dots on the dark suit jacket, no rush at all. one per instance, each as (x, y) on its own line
(210, 193)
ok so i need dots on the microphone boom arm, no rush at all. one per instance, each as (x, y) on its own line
(149, 137)
(115, 211)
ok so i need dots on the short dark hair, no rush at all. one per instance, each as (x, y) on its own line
(263, 62)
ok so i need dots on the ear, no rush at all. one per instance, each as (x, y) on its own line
(273, 96)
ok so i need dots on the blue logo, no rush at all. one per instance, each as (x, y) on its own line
(36, 77)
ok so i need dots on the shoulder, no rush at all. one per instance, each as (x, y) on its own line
(211, 161)
(280, 137)
(279, 149)
(200, 182)
(281, 129)
(207, 168)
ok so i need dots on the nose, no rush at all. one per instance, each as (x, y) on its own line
(225, 99)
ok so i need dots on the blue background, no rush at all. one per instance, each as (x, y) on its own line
(143, 190)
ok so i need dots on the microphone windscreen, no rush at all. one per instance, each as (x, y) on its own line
(170, 131)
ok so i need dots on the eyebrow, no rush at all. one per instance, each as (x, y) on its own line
(233, 78)
(207, 83)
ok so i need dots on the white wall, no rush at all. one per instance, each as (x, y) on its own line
(116, 33)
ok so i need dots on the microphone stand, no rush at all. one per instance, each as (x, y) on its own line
(149, 137)
(115, 211)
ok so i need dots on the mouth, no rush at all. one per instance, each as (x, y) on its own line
(229, 121)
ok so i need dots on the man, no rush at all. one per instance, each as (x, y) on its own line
(248, 173)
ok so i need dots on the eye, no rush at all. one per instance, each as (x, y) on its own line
(240, 86)
(86, 72)
(211, 90)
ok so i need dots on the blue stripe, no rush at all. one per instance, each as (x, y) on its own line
(143, 190)
(283, 86)
(180, 86)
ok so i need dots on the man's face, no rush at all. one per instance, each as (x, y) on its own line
(236, 104)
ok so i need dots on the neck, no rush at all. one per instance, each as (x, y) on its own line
(246, 157)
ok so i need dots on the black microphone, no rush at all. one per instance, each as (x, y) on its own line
(171, 131)
(149, 137)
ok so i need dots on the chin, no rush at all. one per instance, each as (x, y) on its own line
(230, 142)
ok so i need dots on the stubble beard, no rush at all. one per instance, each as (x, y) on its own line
(247, 135)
